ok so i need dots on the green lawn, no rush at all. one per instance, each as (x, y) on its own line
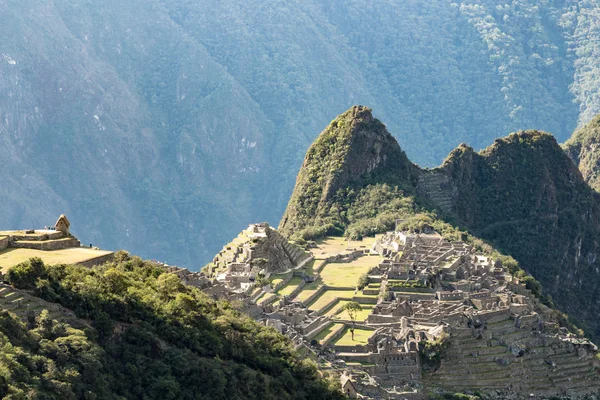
(327, 296)
(329, 246)
(328, 332)
(275, 279)
(361, 337)
(74, 255)
(361, 316)
(310, 268)
(290, 287)
(347, 274)
(308, 290)
(337, 308)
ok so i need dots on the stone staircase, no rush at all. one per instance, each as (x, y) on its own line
(436, 187)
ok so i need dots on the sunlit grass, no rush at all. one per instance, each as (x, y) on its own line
(361, 337)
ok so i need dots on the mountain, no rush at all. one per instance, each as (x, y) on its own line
(353, 151)
(522, 194)
(582, 147)
(165, 126)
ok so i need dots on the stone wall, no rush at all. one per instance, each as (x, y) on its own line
(316, 294)
(98, 260)
(45, 245)
(285, 281)
(3, 242)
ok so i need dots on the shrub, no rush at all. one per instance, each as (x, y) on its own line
(26, 274)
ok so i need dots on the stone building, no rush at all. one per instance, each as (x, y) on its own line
(62, 224)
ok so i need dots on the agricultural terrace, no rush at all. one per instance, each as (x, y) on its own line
(11, 257)
(347, 274)
(328, 296)
(265, 298)
(337, 308)
(290, 286)
(361, 337)
(308, 291)
(278, 278)
(326, 334)
(360, 316)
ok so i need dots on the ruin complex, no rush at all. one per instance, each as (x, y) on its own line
(438, 316)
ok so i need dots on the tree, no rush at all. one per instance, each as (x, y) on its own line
(24, 275)
(363, 281)
(352, 308)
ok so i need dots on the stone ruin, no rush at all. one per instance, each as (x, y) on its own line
(488, 332)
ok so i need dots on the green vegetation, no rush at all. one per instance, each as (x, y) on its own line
(336, 308)
(432, 352)
(334, 166)
(290, 286)
(328, 296)
(348, 274)
(363, 281)
(45, 359)
(360, 315)
(540, 211)
(409, 284)
(446, 74)
(153, 337)
(307, 291)
(358, 337)
(352, 309)
(326, 334)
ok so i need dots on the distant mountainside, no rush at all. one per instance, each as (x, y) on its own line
(165, 126)
(522, 194)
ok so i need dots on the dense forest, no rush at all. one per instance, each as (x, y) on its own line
(143, 335)
(125, 116)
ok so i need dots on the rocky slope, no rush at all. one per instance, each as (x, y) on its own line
(523, 194)
(192, 116)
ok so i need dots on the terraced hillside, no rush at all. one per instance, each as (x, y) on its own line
(502, 356)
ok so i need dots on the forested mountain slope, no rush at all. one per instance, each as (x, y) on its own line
(141, 334)
(522, 194)
(192, 116)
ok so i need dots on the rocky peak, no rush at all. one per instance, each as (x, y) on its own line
(355, 148)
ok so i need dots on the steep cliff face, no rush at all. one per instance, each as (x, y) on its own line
(584, 149)
(522, 194)
(354, 151)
